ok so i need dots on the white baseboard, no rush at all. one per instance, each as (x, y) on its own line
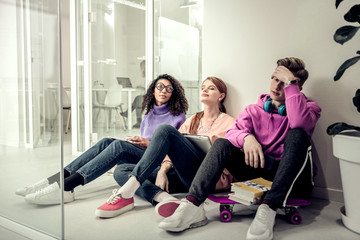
(23, 230)
(328, 193)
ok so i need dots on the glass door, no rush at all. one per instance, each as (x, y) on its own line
(177, 45)
(112, 39)
(102, 69)
(30, 109)
(110, 70)
(117, 67)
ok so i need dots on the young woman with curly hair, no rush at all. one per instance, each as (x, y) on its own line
(164, 102)
(155, 183)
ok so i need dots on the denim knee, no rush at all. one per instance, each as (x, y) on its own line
(164, 127)
(105, 140)
(122, 172)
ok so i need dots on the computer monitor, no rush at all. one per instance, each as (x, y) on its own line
(124, 81)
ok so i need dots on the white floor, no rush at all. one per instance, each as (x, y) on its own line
(321, 220)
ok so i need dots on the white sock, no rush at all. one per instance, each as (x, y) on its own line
(161, 196)
(129, 188)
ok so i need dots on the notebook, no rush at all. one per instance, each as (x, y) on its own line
(203, 143)
(124, 81)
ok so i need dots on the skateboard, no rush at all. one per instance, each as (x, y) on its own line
(291, 213)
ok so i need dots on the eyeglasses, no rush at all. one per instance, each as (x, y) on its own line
(160, 86)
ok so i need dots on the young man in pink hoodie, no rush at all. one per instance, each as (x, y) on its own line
(270, 139)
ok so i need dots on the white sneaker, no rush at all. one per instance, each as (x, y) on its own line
(50, 195)
(32, 188)
(262, 226)
(187, 215)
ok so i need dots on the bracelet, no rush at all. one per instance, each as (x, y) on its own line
(291, 82)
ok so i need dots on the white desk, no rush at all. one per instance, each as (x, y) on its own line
(129, 92)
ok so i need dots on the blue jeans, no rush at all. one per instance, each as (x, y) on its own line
(292, 174)
(104, 155)
(166, 140)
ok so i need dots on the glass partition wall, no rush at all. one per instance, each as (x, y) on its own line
(110, 69)
(111, 65)
(111, 61)
(177, 45)
(30, 109)
(117, 65)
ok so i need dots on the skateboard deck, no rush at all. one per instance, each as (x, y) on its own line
(291, 212)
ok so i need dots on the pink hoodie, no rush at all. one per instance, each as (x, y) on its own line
(270, 128)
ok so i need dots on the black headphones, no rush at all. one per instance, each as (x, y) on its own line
(269, 107)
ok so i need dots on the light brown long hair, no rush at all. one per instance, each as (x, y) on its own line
(221, 86)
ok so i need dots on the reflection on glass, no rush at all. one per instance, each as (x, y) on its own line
(177, 45)
(117, 67)
(79, 88)
(29, 109)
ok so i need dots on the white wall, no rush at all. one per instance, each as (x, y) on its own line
(65, 42)
(243, 40)
(9, 86)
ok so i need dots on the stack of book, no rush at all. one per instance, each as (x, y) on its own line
(249, 192)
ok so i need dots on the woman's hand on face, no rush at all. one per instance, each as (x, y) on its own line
(254, 155)
(162, 181)
(138, 141)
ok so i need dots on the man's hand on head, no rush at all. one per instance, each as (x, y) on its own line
(284, 74)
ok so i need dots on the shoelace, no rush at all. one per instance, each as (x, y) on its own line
(181, 207)
(114, 197)
(34, 186)
(263, 216)
(44, 191)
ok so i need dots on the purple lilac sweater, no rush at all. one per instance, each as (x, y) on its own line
(157, 116)
(270, 128)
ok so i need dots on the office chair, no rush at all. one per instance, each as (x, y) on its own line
(110, 100)
(67, 106)
(113, 101)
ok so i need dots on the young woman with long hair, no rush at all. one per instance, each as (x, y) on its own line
(176, 171)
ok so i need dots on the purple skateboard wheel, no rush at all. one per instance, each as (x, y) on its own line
(225, 216)
(295, 218)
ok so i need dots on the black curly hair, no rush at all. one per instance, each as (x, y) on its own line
(177, 103)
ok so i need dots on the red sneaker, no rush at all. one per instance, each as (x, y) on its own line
(114, 206)
(167, 208)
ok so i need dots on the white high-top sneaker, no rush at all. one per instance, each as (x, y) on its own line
(50, 195)
(262, 226)
(32, 188)
(187, 215)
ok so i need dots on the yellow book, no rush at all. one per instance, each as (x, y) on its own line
(245, 201)
(251, 188)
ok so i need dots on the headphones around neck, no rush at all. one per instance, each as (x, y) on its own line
(269, 107)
